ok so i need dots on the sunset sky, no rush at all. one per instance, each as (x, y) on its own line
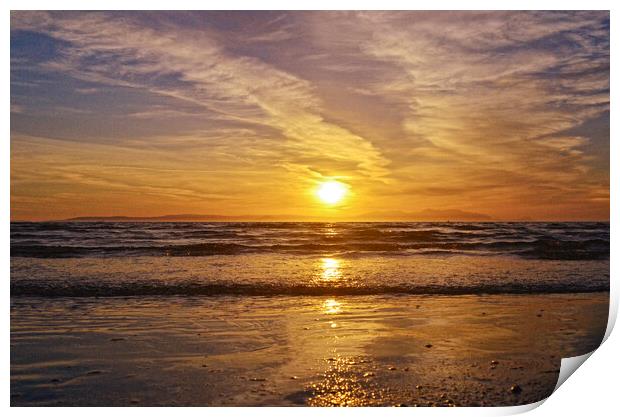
(505, 114)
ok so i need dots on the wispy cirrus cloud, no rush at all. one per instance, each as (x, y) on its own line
(399, 104)
(490, 91)
(190, 66)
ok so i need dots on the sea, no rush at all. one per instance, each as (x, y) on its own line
(101, 259)
(356, 314)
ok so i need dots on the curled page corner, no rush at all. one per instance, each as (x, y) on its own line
(568, 366)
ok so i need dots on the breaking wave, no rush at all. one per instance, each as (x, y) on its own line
(560, 241)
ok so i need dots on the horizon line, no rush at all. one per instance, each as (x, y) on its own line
(252, 219)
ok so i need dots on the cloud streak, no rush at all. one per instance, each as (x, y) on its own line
(402, 105)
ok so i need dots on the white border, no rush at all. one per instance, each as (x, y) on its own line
(592, 391)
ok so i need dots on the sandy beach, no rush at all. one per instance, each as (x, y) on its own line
(322, 351)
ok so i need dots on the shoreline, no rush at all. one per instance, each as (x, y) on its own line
(345, 350)
(309, 275)
(311, 292)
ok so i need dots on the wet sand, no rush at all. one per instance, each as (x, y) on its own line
(286, 351)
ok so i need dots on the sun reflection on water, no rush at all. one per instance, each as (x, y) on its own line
(330, 269)
(331, 306)
(330, 230)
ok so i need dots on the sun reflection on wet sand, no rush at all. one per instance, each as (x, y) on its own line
(330, 269)
(348, 383)
(223, 351)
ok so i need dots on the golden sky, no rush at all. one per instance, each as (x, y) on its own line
(497, 115)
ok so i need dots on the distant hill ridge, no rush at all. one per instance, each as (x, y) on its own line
(170, 217)
(424, 215)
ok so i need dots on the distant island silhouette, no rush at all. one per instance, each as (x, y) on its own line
(424, 215)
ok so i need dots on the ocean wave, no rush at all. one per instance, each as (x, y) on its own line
(537, 249)
(560, 241)
(42, 289)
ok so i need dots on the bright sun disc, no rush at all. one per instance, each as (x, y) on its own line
(331, 192)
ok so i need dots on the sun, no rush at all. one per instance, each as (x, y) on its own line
(331, 192)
